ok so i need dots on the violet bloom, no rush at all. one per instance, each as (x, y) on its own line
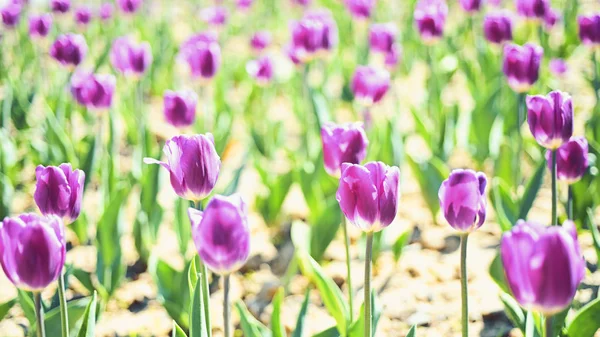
(60, 6)
(69, 49)
(368, 195)
(303, 3)
(471, 6)
(244, 4)
(11, 14)
(550, 118)
(214, 16)
(129, 6)
(59, 191)
(382, 37)
(369, 84)
(462, 199)
(93, 91)
(589, 29)
(32, 250)
(260, 40)
(558, 67)
(533, 9)
(360, 9)
(430, 18)
(180, 107)
(202, 54)
(106, 10)
(316, 34)
(193, 164)
(344, 143)
(543, 265)
(551, 18)
(497, 27)
(221, 233)
(83, 15)
(571, 160)
(393, 57)
(39, 25)
(130, 57)
(261, 69)
(522, 65)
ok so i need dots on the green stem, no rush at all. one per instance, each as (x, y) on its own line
(550, 327)
(554, 190)
(367, 287)
(464, 285)
(226, 308)
(520, 121)
(348, 269)
(64, 317)
(39, 314)
(570, 203)
(205, 288)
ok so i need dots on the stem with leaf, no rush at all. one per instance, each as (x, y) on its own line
(367, 287)
(520, 121)
(39, 314)
(463, 284)
(348, 269)
(205, 288)
(64, 316)
(550, 327)
(226, 307)
(554, 190)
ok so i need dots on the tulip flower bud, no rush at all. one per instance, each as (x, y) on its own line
(497, 27)
(59, 191)
(369, 85)
(129, 6)
(106, 10)
(303, 3)
(571, 160)
(462, 199)
(551, 18)
(221, 233)
(261, 69)
(368, 195)
(558, 67)
(83, 15)
(589, 29)
(60, 6)
(129, 57)
(69, 49)
(11, 14)
(180, 107)
(360, 9)
(522, 65)
(193, 165)
(244, 4)
(316, 34)
(550, 118)
(382, 37)
(471, 6)
(214, 16)
(202, 54)
(543, 265)
(32, 250)
(93, 91)
(345, 143)
(39, 25)
(430, 18)
(533, 9)
(260, 40)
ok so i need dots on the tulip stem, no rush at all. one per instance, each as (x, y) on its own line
(205, 287)
(39, 314)
(226, 308)
(348, 269)
(464, 285)
(554, 190)
(550, 327)
(64, 316)
(520, 121)
(367, 287)
(570, 203)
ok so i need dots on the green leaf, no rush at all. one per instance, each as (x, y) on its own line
(88, 324)
(173, 291)
(193, 275)
(177, 331)
(251, 327)
(497, 273)
(84, 278)
(76, 310)
(594, 231)
(430, 175)
(183, 228)
(412, 332)
(197, 322)
(586, 322)
(302, 315)
(331, 332)
(27, 305)
(504, 204)
(513, 311)
(276, 324)
(358, 328)
(5, 307)
(401, 242)
(531, 191)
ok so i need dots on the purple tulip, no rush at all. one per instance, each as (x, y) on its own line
(39, 25)
(471, 6)
(368, 195)
(129, 6)
(69, 49)
(558, 67)
(430, 18)
(60, 6)
(543, 265)
(202, 53)
(589, 29)
(522, 65)
(571, 160)
(345, 143)
(369, 85)
(59, 191)
(550, 118)
(261, 69)
(533, 9)
(303, 3)
(11, 14)
(93, 91)
(382, 37)
(193, 164)
(106, 10)
(497, 27)
(293, 54)
(360, 9)
(314, 35)
(393, 57)
(244, 4)
(214, 16)
(462, 199)
(129, 57)
(551, 18)
(221, 233)
(83, 15)
(260, 40)
(32, 250)
(180, 107)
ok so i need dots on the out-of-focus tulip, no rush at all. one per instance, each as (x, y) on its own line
(303, 3)
(533, 9)
(314, 35)
(11, 14)
(59, 191)
(69, 49)
(260, 40)
(543, 265)
(180, 107)
(261, 69)
(393, 57)
(360, 9)
(244, 4)
(345, 143)
(558, 67)
(221, 233)
(83, 15)
(462, 199)
(550, 118)
(60, 6)
(369, 84)
(129, 6)
(430, 18)
(497, 27)
(522, 65)
(32, 250)
(589, 29)
(106, 10)
(39, 25)
(202, 54)
(382, 37)
(471, 6)
(571, 160)
(214, 16)
(129, 57)
(93, 91)
(193, 164)
(551, 18)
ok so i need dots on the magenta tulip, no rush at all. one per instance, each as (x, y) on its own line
(180, 107)
(69, 49)
(571, 160)
(462, 199)
(59, 191)
(202, 54)
(39, 25)
(369, 85)
(522, 65)
(93, 91)
(130, 58)
(550, 118)
(345, 143)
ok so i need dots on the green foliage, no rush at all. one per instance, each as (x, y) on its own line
(585, 323)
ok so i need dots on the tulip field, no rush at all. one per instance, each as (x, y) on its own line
(299, 168)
